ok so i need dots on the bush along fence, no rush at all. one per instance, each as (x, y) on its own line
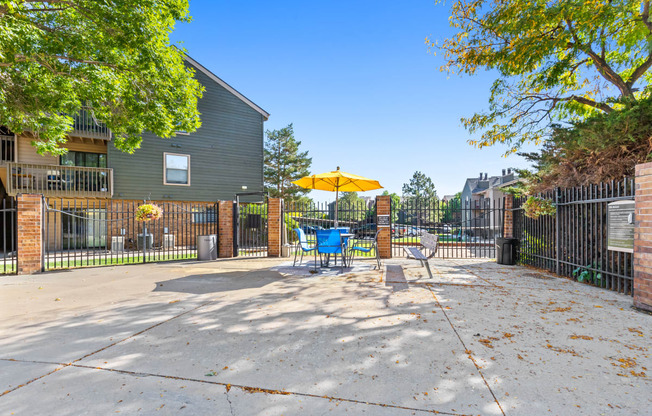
(567, 231)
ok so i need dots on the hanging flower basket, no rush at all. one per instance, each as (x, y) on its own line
(148, 212)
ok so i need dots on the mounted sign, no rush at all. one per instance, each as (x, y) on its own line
(382, 220)
(620, 225)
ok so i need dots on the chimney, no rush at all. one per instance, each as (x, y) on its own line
(485, 176)
(509, 170)
(503, 172)
(480, 175)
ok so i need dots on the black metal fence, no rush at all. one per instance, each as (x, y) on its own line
(98, 233)
(359, 218)
(573, 241)
(250, 229)
(466, 229)
(8, 239)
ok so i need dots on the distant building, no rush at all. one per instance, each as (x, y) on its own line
(447, 198)
(479, 197)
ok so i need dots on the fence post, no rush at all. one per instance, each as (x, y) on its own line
(509, 216)
(225, 238)
(29, 247)
(384, 207)
(643, 238)
(557, 227)
(274, 225)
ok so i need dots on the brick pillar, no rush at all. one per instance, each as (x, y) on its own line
(274, 225)
(643, 238)
(30, 233)
(508, 228)
(225, 238)
(384, 207)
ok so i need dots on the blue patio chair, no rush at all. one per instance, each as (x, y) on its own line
(330, 242)
(360, 249)
(302, 244)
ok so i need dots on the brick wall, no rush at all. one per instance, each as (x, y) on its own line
(225, 238)
(30, 233)
(274, 224)
(509, 217)
(643, 238)
(383, 207)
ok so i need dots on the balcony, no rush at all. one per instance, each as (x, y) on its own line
(57, 181)
(86, 125)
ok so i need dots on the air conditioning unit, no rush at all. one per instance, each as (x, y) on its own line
(117, 244)
(168, 241)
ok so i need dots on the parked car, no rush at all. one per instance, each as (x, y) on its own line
(399, 230)
(415, 231)
(364, 230)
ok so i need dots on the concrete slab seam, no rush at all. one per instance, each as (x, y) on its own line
(246, 389)
(34, 379)
(468, 352)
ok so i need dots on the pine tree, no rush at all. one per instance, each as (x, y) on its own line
(284, 163)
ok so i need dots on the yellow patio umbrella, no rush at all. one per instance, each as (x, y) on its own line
(338, 181)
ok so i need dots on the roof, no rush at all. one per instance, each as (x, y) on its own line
(226, 86)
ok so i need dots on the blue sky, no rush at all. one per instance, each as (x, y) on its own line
(356, 79)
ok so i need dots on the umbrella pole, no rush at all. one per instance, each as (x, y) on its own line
(337, 196)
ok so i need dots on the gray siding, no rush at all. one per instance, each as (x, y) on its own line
(226, 152)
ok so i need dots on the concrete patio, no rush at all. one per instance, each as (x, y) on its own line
(258, 337)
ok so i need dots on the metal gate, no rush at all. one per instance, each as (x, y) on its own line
(250, 229)
(8, 238)
(99, 233)
(466, 229)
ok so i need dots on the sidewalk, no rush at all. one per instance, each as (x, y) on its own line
(250, 337)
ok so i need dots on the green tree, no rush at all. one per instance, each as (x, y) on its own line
(284, 163)
(419, 193)
(419, 189)
(114, 56)
(601, 148)
(557, 61)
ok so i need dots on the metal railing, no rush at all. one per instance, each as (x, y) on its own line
(7, 149)
(574, 241)
(86, 125)
(57, 180)
(466, 229)
(358, 218)
(106, 232)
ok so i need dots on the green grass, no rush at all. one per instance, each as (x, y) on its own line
(113, 261)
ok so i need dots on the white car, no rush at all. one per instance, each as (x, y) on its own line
(415, 231)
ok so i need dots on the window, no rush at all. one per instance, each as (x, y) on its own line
(176, 169)
(85, 159)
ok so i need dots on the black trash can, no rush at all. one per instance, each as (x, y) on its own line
(506, 250)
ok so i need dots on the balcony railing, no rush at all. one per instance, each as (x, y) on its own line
(86, 125)
(55, 180)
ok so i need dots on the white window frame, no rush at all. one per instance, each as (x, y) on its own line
(165, 176)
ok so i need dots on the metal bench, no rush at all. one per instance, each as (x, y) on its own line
(428, 241)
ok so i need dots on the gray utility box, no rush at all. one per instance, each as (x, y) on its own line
(117, 244)
(207, 247)
(149, 241)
